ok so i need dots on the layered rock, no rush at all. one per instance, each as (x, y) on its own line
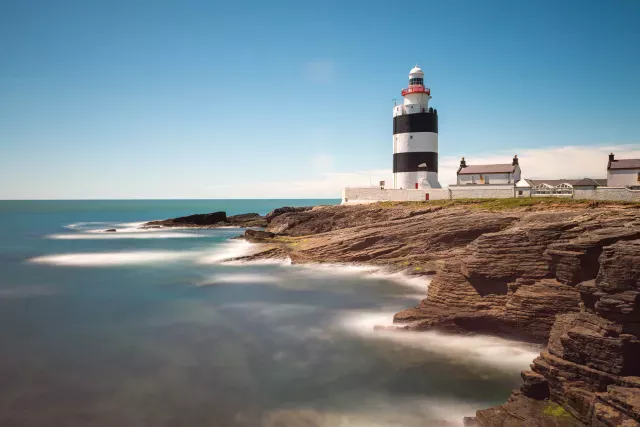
(592, 363)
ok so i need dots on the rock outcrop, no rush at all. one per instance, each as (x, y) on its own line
(211, 220)
(564, 274)
(591, 366)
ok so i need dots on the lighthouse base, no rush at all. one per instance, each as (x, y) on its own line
(415, 180)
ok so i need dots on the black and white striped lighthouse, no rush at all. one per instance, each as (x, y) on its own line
(415, 137)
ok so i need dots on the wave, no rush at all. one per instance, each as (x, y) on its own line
(506, 355)
(379, 410)
(238, 279)
(264, 261)
(107, 259)
(123, 235)
(414, 282)
(227, 251)
(84, 225)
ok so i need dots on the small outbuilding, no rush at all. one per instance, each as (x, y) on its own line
(506, 173)
(623, 172)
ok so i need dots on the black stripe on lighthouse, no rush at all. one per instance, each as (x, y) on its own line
(411, 162)
(417, 122)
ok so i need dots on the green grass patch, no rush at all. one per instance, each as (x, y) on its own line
(555, 410)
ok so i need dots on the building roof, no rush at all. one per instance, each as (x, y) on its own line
(477, 169)
(588, 182)
(624, 164)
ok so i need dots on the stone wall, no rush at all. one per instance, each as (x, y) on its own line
(375, 194)
(607, 193)
(481, 191)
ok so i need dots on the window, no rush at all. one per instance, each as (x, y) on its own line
(415, 81)
(638, 179)
(519, 192)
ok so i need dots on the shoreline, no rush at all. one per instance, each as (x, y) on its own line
(538, 271)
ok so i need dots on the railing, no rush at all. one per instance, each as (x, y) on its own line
(401, 110)
(416, 89)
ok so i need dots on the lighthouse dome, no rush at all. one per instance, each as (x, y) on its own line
(416, 72)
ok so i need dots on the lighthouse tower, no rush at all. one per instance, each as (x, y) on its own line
(415, 137)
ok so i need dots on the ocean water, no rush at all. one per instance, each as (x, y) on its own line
(155, 328)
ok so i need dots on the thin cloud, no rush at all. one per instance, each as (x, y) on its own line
(558, 162)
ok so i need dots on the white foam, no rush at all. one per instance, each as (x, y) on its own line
(379, 410)
(264, 261)
(510, 356)
(107, 259)
(131, 224)
(339, 269)
(417, 283)
(238, 279)
(227, 251)
(82, 225)
(123, 235)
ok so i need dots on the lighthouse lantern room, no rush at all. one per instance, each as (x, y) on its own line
(415, 137)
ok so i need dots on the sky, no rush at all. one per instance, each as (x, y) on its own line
(109, 99)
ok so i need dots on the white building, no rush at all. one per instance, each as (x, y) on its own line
(623, 172)
(557, 187)
(415, 137)
(507, 173)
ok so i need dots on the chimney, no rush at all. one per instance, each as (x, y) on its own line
(463, 163)
(515, 160)
(611, 158)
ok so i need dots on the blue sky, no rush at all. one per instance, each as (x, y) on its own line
(172, 99)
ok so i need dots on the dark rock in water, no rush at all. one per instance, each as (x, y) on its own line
(192, 220)
(285, 209)
(470, 422)
(111, 230)
(247, 220)
(258, 235)
(211, 220)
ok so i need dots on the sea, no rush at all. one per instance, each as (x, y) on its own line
(158, 328)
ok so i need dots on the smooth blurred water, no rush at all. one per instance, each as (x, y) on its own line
(152, 328)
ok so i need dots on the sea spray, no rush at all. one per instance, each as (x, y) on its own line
(110, 259)
(499, 353)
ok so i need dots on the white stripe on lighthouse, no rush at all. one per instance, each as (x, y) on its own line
(415, 142)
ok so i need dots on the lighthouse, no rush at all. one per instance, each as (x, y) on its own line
(415, 137)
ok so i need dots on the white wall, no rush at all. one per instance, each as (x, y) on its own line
(607, 193)
(374, 194)
(481, 191)
(621, 178)
(407, 180)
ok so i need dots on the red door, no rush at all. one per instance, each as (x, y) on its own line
(426, 196)
(416, 185)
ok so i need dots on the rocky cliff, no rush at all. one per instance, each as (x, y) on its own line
(556, 271)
